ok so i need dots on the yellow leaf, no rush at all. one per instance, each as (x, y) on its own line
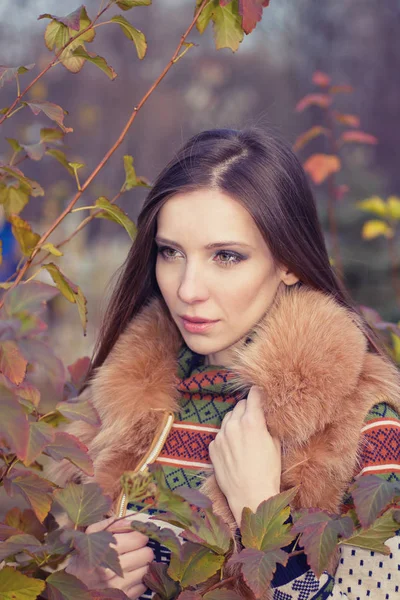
(52, 249)
(374, 205)
(374, 228)
(393, 207)
(396, 347)
(320, 166)
(24, 235)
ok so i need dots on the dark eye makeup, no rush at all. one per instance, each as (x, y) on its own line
(234, 258)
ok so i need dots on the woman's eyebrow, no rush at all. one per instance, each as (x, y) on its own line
(161, 240)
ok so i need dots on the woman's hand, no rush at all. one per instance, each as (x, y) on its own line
(246, 459)
(134, 557)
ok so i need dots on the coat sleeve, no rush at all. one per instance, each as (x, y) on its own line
(361, 573)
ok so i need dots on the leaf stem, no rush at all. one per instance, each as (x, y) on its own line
(107, 156)
(18, 86)
(13, 112)
(8, 469)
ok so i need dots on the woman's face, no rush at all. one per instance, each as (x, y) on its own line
(213, 263)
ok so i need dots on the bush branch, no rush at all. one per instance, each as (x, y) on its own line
(106, 157)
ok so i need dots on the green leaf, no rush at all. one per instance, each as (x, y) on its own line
(374, 205)
(371, 495)
(133, 34)
(99, 61)
(40, 435)
(62, 159)
(14, 426)
(16, 586)
(15, 145)
(57, 35)
(195, 565)
(24, 235)
(63, 586)
(85, 504)
(35, 490)
(114, 213)
(16, 198)
(157, 579)
(82, 410)
(130, 173)
(210, 531)
(32, 186)
(12, 362)
(69, 290)
(71, 448)
(50, 134)
(266, 528)
(258, 567)
(18, 543)
(52, 111)
(228, 32)
(128, 4)
(94, 549)
(9, 73)
(374, 537)
(206, 14)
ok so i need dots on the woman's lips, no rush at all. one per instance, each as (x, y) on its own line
(198, 327)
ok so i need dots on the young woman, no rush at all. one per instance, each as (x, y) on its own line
(229, 282)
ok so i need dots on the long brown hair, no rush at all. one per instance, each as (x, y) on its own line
(261, 171)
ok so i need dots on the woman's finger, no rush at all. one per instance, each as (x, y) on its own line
(254, 404)
(137, 559)
(130, 579)
(136, 591)
(128, 541)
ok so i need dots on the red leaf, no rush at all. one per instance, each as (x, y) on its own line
(320, 166)
(321, 79)
(78, 370)
(40, 435)
(251, 12)
(25, 521)
(81, 410)
(341, 191)
(53, 111)
(35, 490)
(358, 136)
(12, 363)
(69, 447)
(341, 89)
(322, 100)
(258, 567)
(309, 135)
(72, 20)
(14, 426)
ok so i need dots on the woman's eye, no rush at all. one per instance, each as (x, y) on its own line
(229, 258)
(225, 258)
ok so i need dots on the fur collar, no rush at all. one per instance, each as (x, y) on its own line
(308, 355)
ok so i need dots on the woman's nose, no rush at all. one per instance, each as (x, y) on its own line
(192, 286)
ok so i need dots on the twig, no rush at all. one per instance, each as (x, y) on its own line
(107, 156)
(51, 64)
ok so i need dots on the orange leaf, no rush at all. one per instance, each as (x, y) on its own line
(341, 89)
(349, 120)
(320, 166)
(309, 135)
(322, 100)
(358, 136)
(321, 79)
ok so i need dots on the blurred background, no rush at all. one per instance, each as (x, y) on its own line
(355, 42)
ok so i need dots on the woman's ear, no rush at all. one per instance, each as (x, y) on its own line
(288, 277)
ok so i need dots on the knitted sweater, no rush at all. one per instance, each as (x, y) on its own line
(361, 574)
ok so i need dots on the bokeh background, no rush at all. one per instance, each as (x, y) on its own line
(356, 42)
